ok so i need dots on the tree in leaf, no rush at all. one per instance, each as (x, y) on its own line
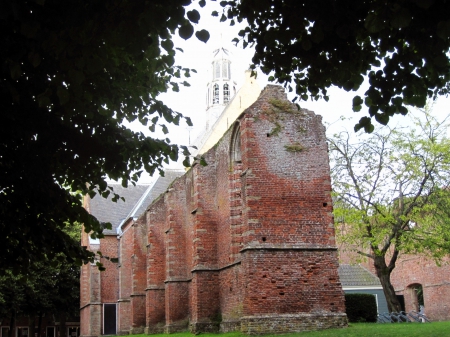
(70, 73)
(49, 286)
(401, 46)
(392, 194)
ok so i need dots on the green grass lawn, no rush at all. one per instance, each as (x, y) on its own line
(435, 329)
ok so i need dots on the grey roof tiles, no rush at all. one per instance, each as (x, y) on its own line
(356, 276)
(137, 199)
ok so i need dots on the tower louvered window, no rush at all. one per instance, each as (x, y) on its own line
(226, 93)
(217, 70)
(226, 70)
(216, 94)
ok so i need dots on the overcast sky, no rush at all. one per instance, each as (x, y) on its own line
(191, 101)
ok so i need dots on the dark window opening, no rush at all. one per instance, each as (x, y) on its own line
(216, 94)
(226, 93)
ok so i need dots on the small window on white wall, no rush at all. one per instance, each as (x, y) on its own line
(216, 94)
(226, 93)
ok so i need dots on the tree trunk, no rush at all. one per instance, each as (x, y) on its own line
(39, 324)
(62, 325)
(384, 274)
(31, 324)
(12, 324)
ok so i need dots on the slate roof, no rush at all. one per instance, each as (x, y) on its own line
(357, 276)
(137, 199)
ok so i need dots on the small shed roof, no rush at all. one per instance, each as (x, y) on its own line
(357, 276)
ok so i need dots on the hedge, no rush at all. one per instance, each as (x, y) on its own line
(361, 308)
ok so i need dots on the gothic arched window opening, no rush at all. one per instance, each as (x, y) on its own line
(235, 154)
(226, 93)
(216, 94)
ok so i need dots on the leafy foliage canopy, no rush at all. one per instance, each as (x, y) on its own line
(70, 73)
(401, 46)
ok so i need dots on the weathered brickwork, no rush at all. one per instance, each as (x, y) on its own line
(138, 275)
(412, 271)
(244, 243)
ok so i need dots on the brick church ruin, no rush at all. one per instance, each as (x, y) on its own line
(245, 243)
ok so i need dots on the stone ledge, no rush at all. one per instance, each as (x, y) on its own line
(287, 323)
(230, 325)
(304, 246)
(200, 327)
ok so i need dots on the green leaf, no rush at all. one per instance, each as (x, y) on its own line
(366, 123)
(401, 19)
(357, 100)
(374, 23)
(34, 59)
(15, 70)
(202, 35)
(186, 31)
(63, 94)
(382, 118)
(443, 29)
(167, 45)
(306, 44)
(76, 77)
(186, 162)
(193, 16)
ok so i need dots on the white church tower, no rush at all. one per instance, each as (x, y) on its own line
(220, 88)
(224, 103)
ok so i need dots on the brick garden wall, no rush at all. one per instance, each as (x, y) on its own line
(411, 271)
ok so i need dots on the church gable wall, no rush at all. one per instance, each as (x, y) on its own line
(249, 238)
(244, 243)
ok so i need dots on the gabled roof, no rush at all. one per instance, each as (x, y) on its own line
(137, 199)
(357, 276)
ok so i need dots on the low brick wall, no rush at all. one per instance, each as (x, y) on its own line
(270, 324)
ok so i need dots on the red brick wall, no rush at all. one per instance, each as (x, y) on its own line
(110, 277)
(410, 271)
(241, 244)
(126, 252)
(291, 281)
(90, 295)
(139, 274)
(156, 265)
(254, 237)
(435, 281)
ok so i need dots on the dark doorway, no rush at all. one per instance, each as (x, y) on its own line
(401, 299)
(51, 331)
(109, 319)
